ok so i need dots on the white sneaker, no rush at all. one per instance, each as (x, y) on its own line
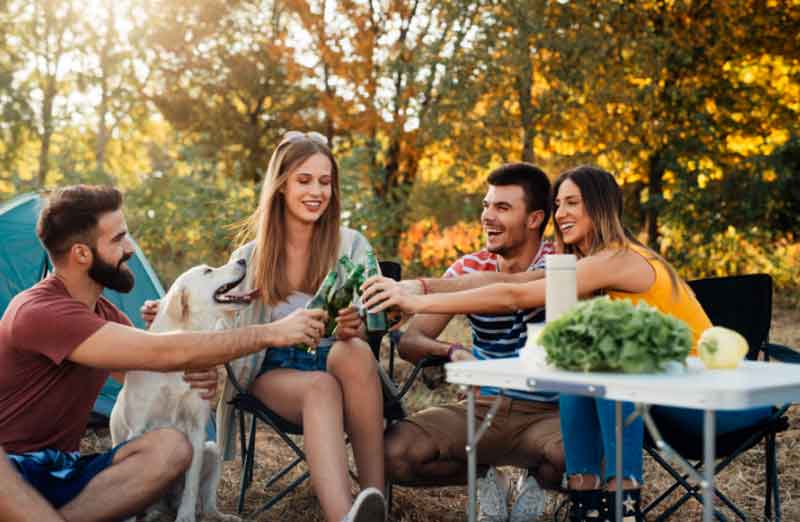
(529, 505)
(369, 506)
(492, 497)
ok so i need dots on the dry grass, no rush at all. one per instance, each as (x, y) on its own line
(743, 481)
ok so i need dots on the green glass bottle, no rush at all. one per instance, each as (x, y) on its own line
(376, 323)
(320, 301)
(343, 296)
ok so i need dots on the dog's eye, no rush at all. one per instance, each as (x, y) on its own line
(207, 271)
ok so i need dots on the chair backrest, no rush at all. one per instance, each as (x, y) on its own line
(391, 269)
(742, 303)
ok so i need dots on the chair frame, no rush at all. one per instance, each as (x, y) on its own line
(741, 440)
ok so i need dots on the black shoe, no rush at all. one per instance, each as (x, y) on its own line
(584, 506)
(631, 505)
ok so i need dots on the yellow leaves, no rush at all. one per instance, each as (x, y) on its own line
(711, 106)
(639, 82)
(702, 181)
(747, 145)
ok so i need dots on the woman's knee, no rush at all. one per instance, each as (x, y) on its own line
(353, 361)
(323, 389)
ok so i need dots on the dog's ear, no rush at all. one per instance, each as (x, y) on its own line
(178, 305)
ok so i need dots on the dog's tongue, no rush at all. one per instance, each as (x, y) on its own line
(245, 296)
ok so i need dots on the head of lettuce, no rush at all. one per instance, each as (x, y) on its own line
(602, 335)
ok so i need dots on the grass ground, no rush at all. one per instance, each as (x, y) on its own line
(743, 481)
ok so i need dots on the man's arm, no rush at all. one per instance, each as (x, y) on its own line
(468, 281)
(419, 340)
(118, 347)
(19, 501)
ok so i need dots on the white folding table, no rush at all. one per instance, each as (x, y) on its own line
(752, 384)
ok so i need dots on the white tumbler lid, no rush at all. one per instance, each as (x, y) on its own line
(560, 261)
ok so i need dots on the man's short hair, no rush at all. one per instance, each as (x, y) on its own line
(534, 183)
(70, 216)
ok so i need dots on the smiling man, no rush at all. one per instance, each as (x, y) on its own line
(60, 339)
(428, 447)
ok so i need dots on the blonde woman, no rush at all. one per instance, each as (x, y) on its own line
(587, 208)
(297, 239)
(292, 241)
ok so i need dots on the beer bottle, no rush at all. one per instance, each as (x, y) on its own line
(376, 322)
(343, 296)
(320, 302)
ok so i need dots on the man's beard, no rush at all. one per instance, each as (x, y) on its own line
(110, 276)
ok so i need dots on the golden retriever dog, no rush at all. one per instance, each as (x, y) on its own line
(198, 300)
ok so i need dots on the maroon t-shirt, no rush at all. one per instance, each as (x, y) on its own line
(46, 399)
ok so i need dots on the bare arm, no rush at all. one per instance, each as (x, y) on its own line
(620, 270)
(19, 501)
(477, 280)
(419, 340)
(118, 347)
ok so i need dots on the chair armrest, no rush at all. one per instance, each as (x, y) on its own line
(429, 361)
(234, 381)
(782, 353)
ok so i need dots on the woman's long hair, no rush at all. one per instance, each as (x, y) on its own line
(602, 199)
(268, 223)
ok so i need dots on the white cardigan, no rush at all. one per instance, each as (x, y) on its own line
(351, 243)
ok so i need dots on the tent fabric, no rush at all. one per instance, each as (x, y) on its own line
(23, 262)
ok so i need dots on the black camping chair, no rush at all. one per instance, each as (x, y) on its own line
(741, 303)
(247, 405)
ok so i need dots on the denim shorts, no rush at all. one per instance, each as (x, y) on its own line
(297, 359)
(59, 476)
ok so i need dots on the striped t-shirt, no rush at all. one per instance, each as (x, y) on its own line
(501, 336)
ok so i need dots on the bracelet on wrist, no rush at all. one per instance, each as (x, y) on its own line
(452, 349)
(423, 285)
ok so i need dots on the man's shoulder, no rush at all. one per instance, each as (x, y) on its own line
(546, 248)
(481, 261)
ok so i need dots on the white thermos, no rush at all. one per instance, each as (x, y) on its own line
(561, 287)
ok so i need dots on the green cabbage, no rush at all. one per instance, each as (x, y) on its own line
(615, 336)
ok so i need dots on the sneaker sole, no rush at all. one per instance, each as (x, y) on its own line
(370, 508)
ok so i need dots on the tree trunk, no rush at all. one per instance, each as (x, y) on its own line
(655, 198)
(47, 130)
(524, 92)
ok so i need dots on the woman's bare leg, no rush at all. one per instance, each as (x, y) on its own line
(314, 400)
(356, 369)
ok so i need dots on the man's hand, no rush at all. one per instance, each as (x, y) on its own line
(205, 381)
(300, 327)
(149, 310)
(349, 324)
(382, 293)
(462, 355)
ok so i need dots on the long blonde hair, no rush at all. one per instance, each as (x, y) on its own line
(602, 199)
(267, 225)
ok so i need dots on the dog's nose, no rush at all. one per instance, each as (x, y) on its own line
(242, 262)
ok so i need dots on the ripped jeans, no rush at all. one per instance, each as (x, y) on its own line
(587, 427)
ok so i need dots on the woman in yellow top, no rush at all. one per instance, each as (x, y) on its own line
(588, 222)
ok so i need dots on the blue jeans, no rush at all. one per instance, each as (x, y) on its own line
(587, 427)
(691, 421)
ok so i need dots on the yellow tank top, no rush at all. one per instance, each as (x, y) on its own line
(681, 304)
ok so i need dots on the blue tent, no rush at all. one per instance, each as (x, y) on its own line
(23, 262)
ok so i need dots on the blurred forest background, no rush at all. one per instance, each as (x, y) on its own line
(694, 105)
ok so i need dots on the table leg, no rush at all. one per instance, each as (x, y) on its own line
(708, 462)
(472, 457)
(618, 426)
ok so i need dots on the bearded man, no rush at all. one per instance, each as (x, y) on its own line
(60, 339)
